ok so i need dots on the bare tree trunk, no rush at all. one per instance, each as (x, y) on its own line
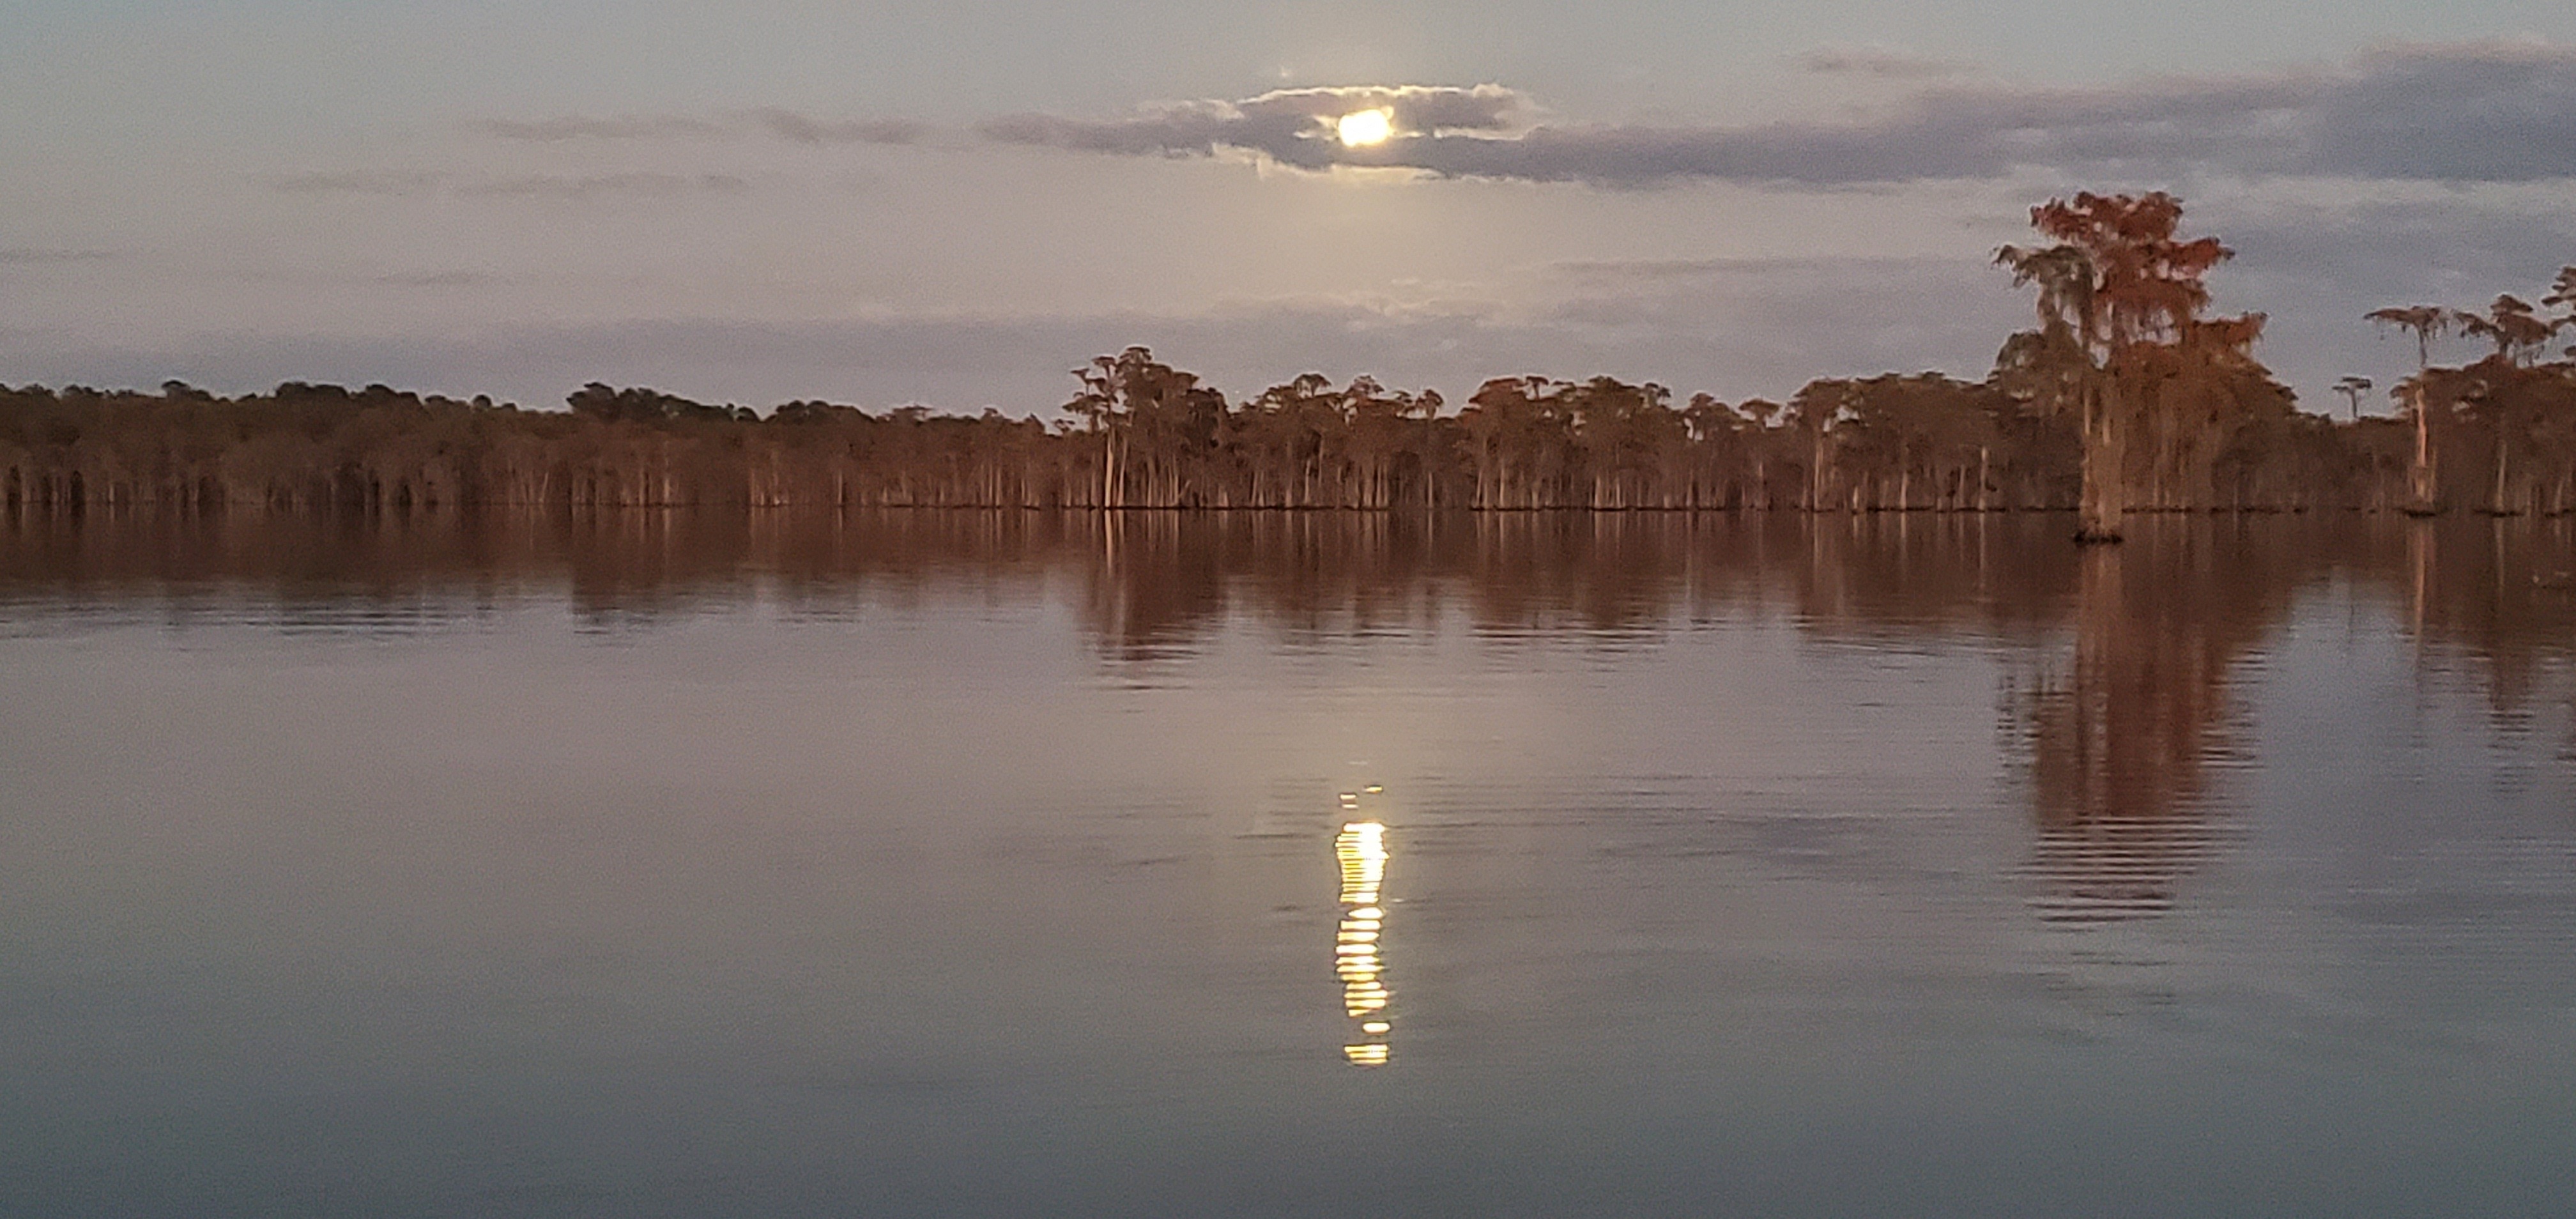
(1816, 474)
(2105, 461)
(2501, 458)
(2419, 476)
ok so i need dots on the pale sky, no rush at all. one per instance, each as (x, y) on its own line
(956, 203)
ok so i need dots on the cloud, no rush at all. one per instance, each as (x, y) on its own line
(645, 184)
(627, 127)
(2316, 269)
(449, 279)
(1641, 274)
(1731, 326)
(1882, 62)
(385, 183)
(2503, 112)
(774, 122)
(1292, 126)
(804, 129)
(2400, 252)
(413, 185)
(1648, 270)
(26, 257)
(1761, 333)
(2478, 112)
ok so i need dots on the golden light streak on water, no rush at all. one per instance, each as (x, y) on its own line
(1362, 852)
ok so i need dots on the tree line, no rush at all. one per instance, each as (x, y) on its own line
(2125, 395)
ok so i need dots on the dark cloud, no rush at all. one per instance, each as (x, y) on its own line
(2316, 270)
(1883, 62)
(2487, 112)
(2499, 113)
(2398, 252)
(1411, 108)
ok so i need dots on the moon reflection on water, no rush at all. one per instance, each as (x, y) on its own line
(1359, 943)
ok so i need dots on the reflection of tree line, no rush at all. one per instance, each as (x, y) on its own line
(2121, 686)
(2124, 396)
(2118, 730)
(2498, 589)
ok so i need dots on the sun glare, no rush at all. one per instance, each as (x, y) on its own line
(1365, 127)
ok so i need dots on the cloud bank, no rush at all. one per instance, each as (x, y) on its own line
(1734, 327)
(777, 123)
(2469, 113)
(578, 187)
(1292, 126)
(1875, 61)
(28, 257)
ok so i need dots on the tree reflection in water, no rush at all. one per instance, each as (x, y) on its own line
(2121, 657)
(2119, 739)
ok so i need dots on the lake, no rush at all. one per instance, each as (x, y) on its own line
(962, 863)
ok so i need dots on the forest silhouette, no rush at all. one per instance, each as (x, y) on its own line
(2124, 396)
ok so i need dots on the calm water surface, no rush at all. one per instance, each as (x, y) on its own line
(1537, 865)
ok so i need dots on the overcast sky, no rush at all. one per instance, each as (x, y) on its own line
(956, 203)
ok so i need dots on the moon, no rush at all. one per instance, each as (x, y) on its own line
(1361, 127)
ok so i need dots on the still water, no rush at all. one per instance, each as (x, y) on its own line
(969, 864)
